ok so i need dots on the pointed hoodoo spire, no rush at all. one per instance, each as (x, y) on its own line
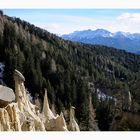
(46, 104)
(72, 113)
(24, 104)
(73, 126)
(127, 101)
(22, 99)
(19, 85)
(21, 95)
(46, 109)
(52, 122)
(93, 126)
(129, 98)
(61, 123)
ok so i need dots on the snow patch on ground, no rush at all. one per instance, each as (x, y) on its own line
(103, 96)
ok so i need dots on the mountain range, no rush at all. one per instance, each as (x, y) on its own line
(120, 40)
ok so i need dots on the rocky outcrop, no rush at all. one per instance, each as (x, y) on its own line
(9, 119)
(22, 115)
(6, 96)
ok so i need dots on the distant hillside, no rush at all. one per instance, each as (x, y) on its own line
(120, 40)
(74, 73)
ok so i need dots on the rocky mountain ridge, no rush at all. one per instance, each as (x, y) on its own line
(120, 40)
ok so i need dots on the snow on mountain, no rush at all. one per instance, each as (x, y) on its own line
(100, 32)
(120, 40)
(121, 34)
(89, 33)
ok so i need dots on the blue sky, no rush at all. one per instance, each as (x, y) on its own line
(62, 21)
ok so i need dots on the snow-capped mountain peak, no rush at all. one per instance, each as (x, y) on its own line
(121, 40)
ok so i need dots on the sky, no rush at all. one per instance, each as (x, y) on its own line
(64, 21)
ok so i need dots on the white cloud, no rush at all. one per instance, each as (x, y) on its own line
(60, 28)
(130, 17)
(128, 22)
(67, 24)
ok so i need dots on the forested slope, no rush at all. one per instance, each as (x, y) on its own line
(68, 69)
